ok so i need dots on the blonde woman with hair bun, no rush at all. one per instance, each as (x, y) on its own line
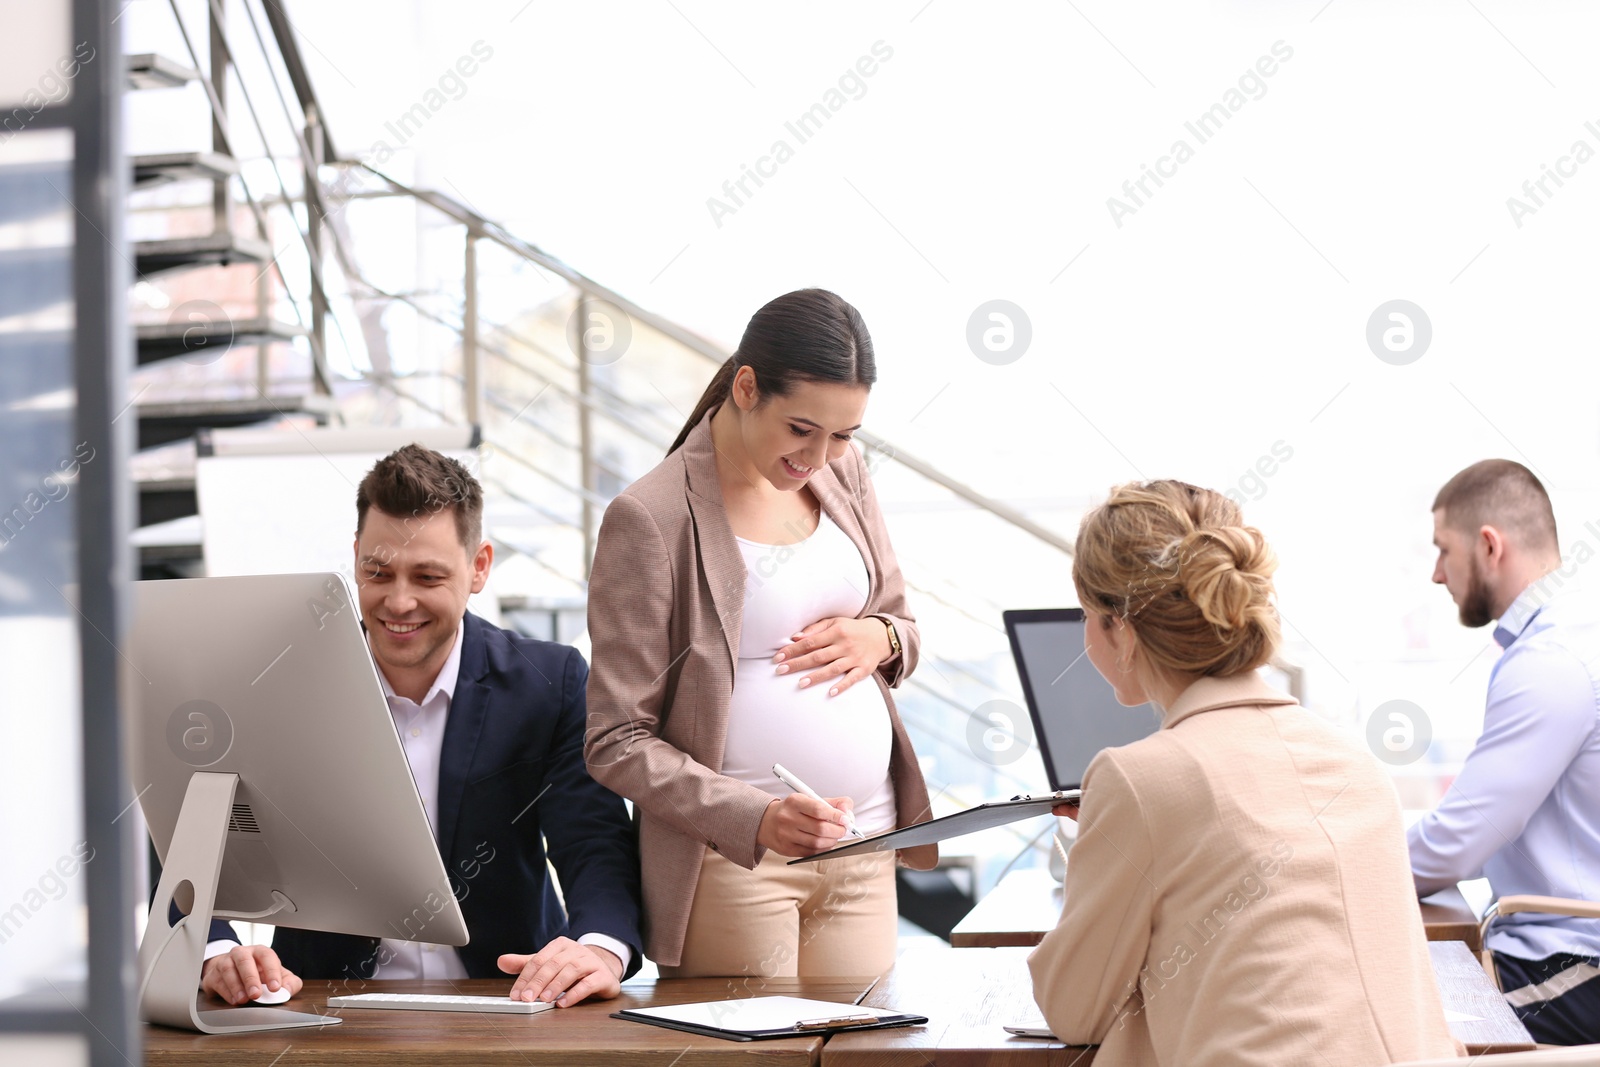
(1239, 892)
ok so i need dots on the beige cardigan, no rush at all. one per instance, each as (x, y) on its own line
(1240, 894)
(666, 599)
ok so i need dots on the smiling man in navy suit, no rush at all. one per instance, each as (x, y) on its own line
(492, 724)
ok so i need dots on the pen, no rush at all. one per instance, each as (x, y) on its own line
(846, 1020)
(800, 787)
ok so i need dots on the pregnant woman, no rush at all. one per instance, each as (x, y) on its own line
(746, 610)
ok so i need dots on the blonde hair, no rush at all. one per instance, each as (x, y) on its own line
(1177, 563)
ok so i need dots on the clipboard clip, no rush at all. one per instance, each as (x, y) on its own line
(844, 1020)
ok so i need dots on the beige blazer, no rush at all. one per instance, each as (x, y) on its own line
(1240, 894)
(666, 599)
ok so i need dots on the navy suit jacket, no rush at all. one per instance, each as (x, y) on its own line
(511, 778)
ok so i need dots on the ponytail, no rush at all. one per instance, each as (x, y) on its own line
(715, 394)
(808, 335)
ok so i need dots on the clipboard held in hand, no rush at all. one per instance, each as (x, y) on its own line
(982, 817)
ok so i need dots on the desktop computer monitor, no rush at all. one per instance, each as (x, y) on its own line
(272, 779)
(1074, 711)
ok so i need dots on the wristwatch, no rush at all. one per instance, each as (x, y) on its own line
(894, 638)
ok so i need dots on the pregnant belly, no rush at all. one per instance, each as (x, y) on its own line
(839, 746)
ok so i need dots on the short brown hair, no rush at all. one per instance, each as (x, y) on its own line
(1500, 493)
(1177, 563)
(414, 481)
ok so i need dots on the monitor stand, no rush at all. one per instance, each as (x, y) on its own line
(171, 956)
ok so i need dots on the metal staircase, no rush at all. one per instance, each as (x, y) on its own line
(273, 291)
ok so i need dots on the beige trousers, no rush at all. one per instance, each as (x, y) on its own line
(829, 918)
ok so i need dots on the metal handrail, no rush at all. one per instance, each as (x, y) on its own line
(695, 343)
(473, 343)
(220, 125)
(477, 225)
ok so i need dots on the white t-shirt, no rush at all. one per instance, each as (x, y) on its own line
(840, 745)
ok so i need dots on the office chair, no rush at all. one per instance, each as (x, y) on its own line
(1582, 909)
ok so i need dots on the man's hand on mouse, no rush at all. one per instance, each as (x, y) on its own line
(246, 972)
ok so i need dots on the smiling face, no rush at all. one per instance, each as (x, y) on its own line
(1460, 571)
(787, 438)
(414, 577)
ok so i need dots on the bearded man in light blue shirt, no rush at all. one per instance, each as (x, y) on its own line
(1525, 810)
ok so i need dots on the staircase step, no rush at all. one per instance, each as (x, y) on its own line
(213, 249)
(151, 71)
(182, 166)
(171, 549)
(163, 422)
(167, 500)
(201, 341)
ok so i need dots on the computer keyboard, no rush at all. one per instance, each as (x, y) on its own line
(438, 1002)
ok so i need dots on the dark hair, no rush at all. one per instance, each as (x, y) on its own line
(810, 335)
(1500, 493)
(415, 481)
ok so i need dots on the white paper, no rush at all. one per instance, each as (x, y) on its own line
(758, 1013)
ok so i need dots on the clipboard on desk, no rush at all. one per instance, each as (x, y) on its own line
(765, 1018)
(982, 817)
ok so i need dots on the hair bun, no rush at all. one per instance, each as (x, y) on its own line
(1178, 564)
(1226, 572)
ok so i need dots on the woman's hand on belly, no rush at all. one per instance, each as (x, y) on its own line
(799, 825)
(845, 650)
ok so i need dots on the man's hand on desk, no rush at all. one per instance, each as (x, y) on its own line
(564, 973)
(245, 973)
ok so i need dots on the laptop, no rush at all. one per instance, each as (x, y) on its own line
(1074, 711)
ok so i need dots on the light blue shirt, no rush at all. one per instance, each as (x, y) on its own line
(1525, 810)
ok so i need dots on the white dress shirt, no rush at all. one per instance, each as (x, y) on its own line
(421, 729)
(1524, 811)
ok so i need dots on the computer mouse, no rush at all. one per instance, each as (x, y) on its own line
(269, 997)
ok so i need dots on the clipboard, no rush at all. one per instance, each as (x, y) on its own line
(982, 817)
(765, 1018)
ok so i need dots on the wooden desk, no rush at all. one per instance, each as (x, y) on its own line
(1017, 912)
(1467, 990)
(584, 1035)
(1027, 903)
(969, 995)
(1446, 917)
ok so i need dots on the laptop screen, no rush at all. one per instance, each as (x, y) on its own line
(1075, 712)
